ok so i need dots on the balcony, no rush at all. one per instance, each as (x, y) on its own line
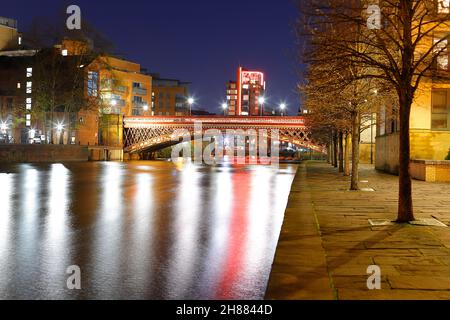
(140, 91)
(121, 89)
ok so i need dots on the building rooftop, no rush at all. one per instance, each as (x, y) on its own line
(7, 22)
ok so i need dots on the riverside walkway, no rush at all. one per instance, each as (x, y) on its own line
(326, 243)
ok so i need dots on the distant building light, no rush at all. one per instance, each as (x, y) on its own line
(29, 72)
(145, 107)
(65, 53)
(32, 133)
(19, 40)
(18, 85)
(28, 123)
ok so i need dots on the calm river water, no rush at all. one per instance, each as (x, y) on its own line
(140, 230)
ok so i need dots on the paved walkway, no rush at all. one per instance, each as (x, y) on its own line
(326, 243)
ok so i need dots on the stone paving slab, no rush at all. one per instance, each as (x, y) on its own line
(327, 243)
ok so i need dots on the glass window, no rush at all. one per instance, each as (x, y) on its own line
(92, 84)
(441, 51)
(440, 110)
(443, 6)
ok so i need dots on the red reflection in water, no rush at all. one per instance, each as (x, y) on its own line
(233, 262)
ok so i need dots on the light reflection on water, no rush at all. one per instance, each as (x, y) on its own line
(140, 230)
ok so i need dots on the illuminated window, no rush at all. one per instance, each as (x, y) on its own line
(440, 50)
(65, 52)
(28, 117)
(443, 6)
(29, 86)
(28, 123)
(440, 111)
(18, 85)
(29, 72)
(19, 40)
(92, 84)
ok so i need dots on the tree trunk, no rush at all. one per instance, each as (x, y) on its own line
(335, 150)
(341, 151)
(356, 126)
(347, 155)
(405, 204)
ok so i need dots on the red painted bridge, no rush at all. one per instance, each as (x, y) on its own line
(152, 133)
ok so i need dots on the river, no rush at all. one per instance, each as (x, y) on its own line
(140, 230)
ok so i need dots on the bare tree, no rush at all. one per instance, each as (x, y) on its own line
(403, 50)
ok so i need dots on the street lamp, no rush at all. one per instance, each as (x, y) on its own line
(59, 127)
(282, 108)
(3, 127)
(261, 101)
(224, 107)
(190, 102)
(145, 107)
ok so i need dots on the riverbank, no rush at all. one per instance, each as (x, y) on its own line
(326, 243)
(39, 153)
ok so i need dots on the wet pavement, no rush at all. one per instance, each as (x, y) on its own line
(140, 230)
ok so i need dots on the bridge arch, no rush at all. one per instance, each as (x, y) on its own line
(147, 134)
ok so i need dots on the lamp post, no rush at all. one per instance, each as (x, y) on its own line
(190, 102)
(261, 101)
(224, 107)
(3, 127)
(282, 108)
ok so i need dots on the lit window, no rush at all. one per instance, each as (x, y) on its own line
(443, 6)
(28, 106)
(28, 123)
(440, 50)
(93, 84)
(65, 52)
(19, 40)
(29, 100)
(18, 85)
(440, 109)
(28, 116)
(29, 72)
(29, 86)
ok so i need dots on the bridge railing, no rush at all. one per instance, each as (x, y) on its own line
(293, 121)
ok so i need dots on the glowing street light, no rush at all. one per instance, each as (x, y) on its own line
(261, 101)
(224, 107)
(190, 102)
(32, 133)
(3, 127)
(145, 107)
(282, 108)
(59, 127)
(113, 102)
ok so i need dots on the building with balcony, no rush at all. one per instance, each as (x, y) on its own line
(244, 95)
(169, 97)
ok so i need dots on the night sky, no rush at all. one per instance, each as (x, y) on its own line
(199, 41)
